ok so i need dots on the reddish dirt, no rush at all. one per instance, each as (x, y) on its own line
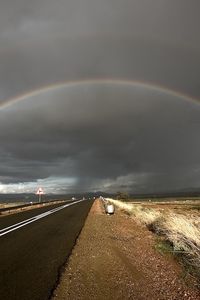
(115, 258)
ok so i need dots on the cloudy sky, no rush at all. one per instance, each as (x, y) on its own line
(99, 95)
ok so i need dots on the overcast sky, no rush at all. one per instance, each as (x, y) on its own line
(131, 119)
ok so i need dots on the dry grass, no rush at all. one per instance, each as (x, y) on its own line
(182, 231)
(145, 215)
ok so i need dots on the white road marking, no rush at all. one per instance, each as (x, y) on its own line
(16, 226)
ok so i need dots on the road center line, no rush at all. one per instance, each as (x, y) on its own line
(16, 226)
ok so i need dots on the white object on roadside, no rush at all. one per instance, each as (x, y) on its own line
(110, 209)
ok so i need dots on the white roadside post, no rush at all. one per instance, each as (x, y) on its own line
(40, 192)
(109, 207)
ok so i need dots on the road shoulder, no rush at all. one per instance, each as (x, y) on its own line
(115, 258)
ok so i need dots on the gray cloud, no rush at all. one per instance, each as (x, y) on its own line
(44, 42)
(103, 133)
(100, 135)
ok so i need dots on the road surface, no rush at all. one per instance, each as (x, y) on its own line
(34, 246)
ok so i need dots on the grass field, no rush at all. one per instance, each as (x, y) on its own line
(178, 222)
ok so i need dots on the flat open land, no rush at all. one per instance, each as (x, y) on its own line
(116, 258)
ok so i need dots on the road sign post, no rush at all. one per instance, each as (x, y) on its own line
(40, 192)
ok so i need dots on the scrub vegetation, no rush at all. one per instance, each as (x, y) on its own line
(181, 229)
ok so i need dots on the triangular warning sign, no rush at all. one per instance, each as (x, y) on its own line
(40, 191)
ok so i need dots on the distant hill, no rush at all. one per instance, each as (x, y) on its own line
(8, 198)
(30, 197)
(188, 192)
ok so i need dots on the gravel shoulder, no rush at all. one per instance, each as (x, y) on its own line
(115, 258)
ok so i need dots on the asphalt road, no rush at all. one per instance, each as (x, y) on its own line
(31, 256)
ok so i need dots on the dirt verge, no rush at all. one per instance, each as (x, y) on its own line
(115, 258)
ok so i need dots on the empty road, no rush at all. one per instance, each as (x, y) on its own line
(34, 246)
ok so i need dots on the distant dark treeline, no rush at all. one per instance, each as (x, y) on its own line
(167, 195)
(24, 198)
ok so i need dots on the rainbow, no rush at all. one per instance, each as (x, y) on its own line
(52, 87)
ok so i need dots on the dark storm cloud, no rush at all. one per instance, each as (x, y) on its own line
(100, 136)
(26, 67)
(44, 42)
(104, 135)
